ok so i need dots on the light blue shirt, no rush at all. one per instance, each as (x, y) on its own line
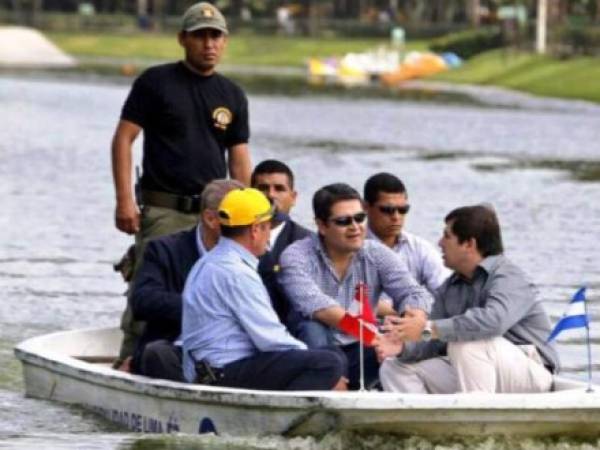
(227, 312)
(422, 259)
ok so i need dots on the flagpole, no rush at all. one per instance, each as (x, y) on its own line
(589, 348)
(575, 318)
(361, 338)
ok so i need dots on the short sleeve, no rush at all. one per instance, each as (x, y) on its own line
(239, 133)
(138, 103)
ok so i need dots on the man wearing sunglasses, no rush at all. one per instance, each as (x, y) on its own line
(319, 275)
(387, 206)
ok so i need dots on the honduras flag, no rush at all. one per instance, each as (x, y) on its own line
(575, 317)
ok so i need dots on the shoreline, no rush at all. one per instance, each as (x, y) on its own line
(293, 81)
(498, 78)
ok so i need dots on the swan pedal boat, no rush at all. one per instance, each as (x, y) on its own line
(74, 367)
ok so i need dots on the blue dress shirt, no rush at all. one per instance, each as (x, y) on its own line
(227, 313)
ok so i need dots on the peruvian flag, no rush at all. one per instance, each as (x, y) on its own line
(360, 311)
(361, 306)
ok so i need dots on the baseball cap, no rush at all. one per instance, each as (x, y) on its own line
(245, 206)
(203, 15)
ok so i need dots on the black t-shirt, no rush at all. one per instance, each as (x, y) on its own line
(189, 121)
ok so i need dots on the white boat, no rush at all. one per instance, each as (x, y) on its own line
(74, 367)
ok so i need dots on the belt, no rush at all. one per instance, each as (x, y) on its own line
(206, 374)
(184, 203)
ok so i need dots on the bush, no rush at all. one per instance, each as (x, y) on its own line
(580, 40)
(468, 43)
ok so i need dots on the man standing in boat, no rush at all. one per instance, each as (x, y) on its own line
(231, 333)
(387, 205)
(156, 294)
(191, 117)
(488, 329)
(319, 275)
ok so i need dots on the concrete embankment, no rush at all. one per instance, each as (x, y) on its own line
(22, 47)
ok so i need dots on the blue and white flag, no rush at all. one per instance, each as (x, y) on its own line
(575, 317)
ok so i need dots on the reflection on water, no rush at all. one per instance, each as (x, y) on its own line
(58, 241)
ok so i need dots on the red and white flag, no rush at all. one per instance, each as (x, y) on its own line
(361, 305)
(360, 309)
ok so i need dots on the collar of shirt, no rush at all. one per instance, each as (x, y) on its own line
(247, 257)
(199, 243)
(275, 232)
(487, 265)
(490, 263)
(402, 239)
(322, 253)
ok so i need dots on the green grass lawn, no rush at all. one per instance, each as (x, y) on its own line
(577, 78)
(151, 46)
(242, 48)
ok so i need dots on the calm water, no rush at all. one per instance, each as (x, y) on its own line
(58, 242)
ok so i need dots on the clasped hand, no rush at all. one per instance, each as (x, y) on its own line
(397, 330)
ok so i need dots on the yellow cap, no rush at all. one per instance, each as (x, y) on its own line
(244, 207)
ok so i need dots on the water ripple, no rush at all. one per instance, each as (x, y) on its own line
(59, 242)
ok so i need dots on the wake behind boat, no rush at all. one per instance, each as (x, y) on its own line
(74, 367)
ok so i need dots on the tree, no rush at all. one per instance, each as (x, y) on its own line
(473, 11)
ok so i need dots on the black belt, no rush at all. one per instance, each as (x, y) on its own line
(184, 203)
(206, 374)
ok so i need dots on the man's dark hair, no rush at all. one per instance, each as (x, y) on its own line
(272, 166)
(479, 222)
(382, 182)
(327, 196)
(233, 232)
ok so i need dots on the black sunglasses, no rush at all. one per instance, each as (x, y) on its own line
(390, 210)
(346, 221)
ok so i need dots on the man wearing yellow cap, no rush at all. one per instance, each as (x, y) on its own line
(231, 334)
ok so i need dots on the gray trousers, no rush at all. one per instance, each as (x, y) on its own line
(490, 365)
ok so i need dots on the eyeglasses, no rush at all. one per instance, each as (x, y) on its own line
(390, 210)
(346, 221)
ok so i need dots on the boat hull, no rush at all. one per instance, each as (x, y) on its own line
(53, 369)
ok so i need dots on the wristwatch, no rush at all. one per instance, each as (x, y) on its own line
(427, 332)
